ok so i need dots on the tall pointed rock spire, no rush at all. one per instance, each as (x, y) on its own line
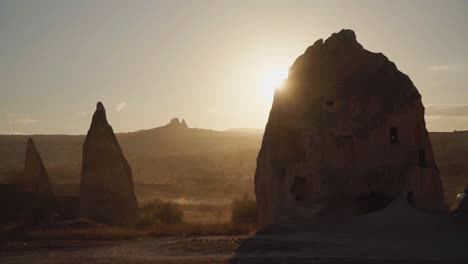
(107, 190)
(36, 178)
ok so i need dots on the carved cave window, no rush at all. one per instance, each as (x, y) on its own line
(393, 135)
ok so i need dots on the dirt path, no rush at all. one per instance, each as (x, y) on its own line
(311, 247)
(143, 250)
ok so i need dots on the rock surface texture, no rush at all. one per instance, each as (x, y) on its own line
(107, 190)
(346, 135)
(36, 178)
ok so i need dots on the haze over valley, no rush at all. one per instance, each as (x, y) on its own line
(261, 131)
(194, 165)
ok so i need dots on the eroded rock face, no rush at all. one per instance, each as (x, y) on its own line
(107, 190)
(346, 135)
(174, 123)
(36, 178)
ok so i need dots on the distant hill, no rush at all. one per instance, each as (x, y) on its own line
(451, 153)
(175, 161)
(193, 161)
(247, 130)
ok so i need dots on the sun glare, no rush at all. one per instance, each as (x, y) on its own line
(272, 80)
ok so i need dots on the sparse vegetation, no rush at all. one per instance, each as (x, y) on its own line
(111, 233)
(244, 211)
(204, 214)
(159, 212)
(160, 218)
(202, 229)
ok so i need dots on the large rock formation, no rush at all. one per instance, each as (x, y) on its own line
(346, 135)
(35, 175)
(176, 124)
(107, 191)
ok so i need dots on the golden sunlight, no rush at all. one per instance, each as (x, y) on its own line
(272, 79)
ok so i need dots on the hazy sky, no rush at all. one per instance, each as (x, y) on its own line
(209, 62)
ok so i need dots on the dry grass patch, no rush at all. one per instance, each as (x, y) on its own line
(202, 229)
(101, 233)
(111, 233)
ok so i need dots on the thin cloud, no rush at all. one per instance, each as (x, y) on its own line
(18, 123)
(120, 106)
(434, 117)
(446, 117)
(449, 110)
(7, 132)
(446, 68)
(20, 119)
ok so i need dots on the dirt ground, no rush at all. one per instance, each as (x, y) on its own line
(142, 250)
(310, 247)
(396, 235)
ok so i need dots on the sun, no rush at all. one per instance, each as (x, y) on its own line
(272, 79)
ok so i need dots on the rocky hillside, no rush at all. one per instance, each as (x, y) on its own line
(171, 159)
(193, 162)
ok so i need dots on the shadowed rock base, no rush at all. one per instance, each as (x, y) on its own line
(397, 234)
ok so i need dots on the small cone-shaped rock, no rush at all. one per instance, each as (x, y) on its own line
(183, 124)
(35, 175)
(107, 190)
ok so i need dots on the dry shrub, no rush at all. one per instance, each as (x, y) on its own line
(159, 218)
(244, 211)
(158, 212)
(207, 213)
